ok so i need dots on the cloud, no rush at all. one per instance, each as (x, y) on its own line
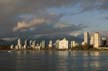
(52, 30)
(28, 23)
(25, 25)
(48, 23)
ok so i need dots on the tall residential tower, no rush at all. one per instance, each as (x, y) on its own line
(97, 42)
(86, 38)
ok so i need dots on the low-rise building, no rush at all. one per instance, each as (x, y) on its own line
(73, 44)
(62, 44)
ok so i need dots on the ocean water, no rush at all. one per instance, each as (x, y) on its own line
(53, 60)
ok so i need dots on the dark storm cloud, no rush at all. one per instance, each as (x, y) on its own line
(50, 29)
(11, 9)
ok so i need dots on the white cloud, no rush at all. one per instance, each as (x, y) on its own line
(33, 22)
(24, 25)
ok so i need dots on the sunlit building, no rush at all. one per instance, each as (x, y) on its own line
(16, 47)
(12, 47)
(42, 44)
(50, 44)
(96, 40)
(92, 40)
(19, 44)
(62, 44)
(82, 43)
(86, 38)
(33, 44)
(73, 44)
(37, 46)
(30, 43)
(57, 43)
(25, 44)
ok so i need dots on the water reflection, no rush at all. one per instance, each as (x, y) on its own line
(96, 53)
(54, 61)
(62, 53)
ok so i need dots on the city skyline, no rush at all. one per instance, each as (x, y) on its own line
(38, 18)
(90, 41)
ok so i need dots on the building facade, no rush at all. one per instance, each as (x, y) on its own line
(62, 44)
(86, 38)
(42, 44)
(97, 42)
(50, 45)
(73, 44)
(92, 40)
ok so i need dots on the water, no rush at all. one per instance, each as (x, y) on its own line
(54, 61)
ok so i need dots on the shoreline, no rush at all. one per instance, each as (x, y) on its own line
(52, 50)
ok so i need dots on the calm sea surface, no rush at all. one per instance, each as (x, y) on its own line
(54, 61)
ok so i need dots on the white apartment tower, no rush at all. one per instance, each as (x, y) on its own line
(50, 44)
(19, 44)
(92, 40)
(25, 44)
(96, 40)
(86, 38)
(42, 44)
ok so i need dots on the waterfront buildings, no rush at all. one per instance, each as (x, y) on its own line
(19, 44)
(33, 44)
(92, 40)
(37, 47)
(42, 44)
(62, 44)
(50, 45)
(57, 43)
(25, 44)
(86, 38)
(73, 44)
(97, 41)
(12, 47)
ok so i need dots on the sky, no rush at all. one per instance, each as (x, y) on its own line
(52, 17)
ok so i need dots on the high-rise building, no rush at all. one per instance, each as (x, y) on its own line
(50, 44)
(33, 44)
(86, 38)
(96, 40)
(92, 40)
(42, 44)
(57, 44)
(19, 44)
(25, 44)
